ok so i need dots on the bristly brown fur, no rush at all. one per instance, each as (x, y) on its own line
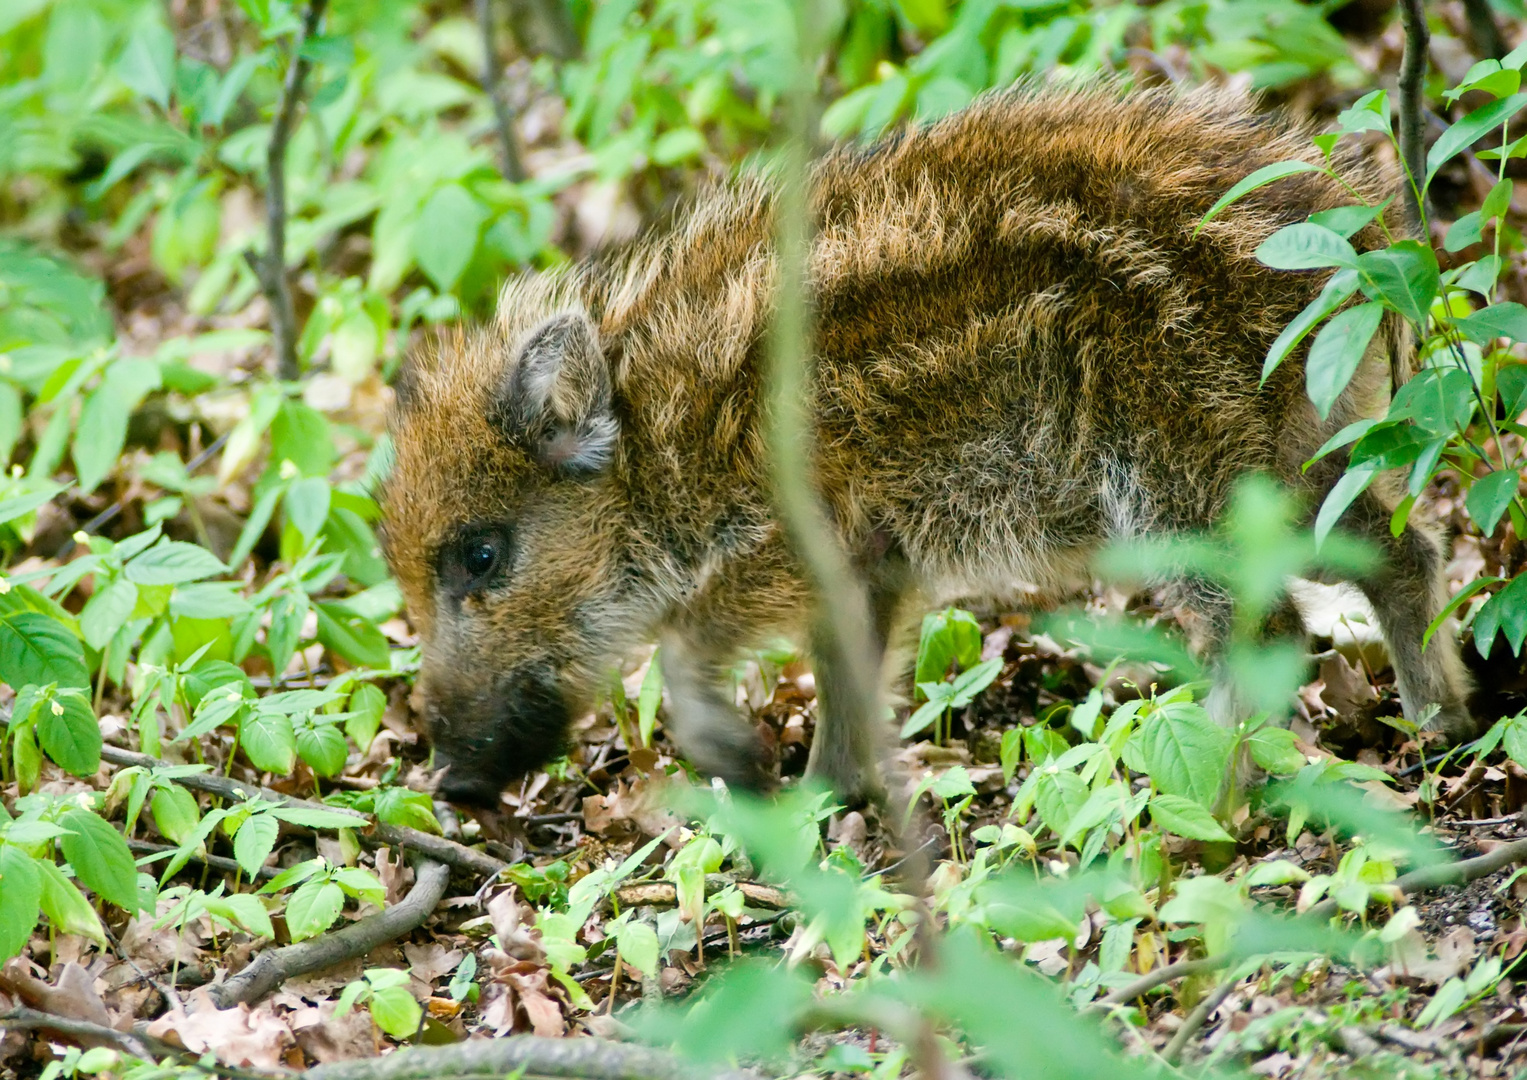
(1022, 352)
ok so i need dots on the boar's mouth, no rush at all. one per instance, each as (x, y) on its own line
(486, 737)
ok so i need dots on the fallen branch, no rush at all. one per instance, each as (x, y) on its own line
(1434, 877)
(84, 1032)
(378, 834)
(271, 268)
(666, 894)
(509, 162)
(1163, 975)
(1196, 1019)
(526, 1056)
(274, 966)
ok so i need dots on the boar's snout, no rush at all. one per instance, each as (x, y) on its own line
(488, 734)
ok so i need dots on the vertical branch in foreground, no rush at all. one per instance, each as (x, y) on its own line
(509, 162)
(841, 605)
(271, 269)
(1412, 110)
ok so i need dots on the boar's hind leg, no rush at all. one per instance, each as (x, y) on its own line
(706, 725)
(1407, 591)
(1211, 610)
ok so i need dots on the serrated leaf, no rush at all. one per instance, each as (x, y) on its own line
(1186, 818)
(269, 742)
(173, 562)
(1185, 753)
(39, 650)
(106, 611)
(254, 842)
(20, 899)
(63, 903)
(323, 747)
(396, 1012)
(313, 908)
(175, 813)
(100, 858)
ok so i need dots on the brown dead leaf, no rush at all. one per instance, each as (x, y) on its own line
(1346, 688)
(517, 941)
(74, 997)
(432, 960)
(240, 1036)
(1453, 954)
(396, 876)
(519, 997)
(597, 815)
(325, 1037)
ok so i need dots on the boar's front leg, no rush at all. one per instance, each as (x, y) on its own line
(705, 724)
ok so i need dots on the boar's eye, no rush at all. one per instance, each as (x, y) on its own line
(479, 556)
(473, 559)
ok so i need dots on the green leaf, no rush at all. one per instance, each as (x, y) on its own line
(1306, 246)
(1184, 817)
(1346, 220)
(269, 742)
(1346, 490)
(38, 650)
(1507, 320)
(367, 706)
(1274, 750)
(1489, 496)
(1338, 349)
(100, 858)
(445, 237)
(638, 946)
(174, 562)
(307, 506)
(1185, 752)
(254, 842)
(313, 908)
(147, 65)
(20, 898)
(21, 505)
(175, 812)
(351, 636)
(1343, 284)
(245, 910)
(396, 1012)
(1462, 134)
(66, 906)
(313, 817)
(361, 884)
(107, 611)
(1261, 178)
(1404, 275)
(69, 732)
(101, 433)
(649, 698)
(323, 747)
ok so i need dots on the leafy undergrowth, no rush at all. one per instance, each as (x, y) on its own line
(190, 573)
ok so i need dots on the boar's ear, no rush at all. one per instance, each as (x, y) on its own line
(557, 396)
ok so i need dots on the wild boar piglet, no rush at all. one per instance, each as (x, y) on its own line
(1022, 352)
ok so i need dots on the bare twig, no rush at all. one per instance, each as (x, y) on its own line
(86, 1033)
(1196, 1019)
(1487, 36)
(1479, 823)
(1412, 117)
(1163, 975)
(110, 514)
(1434, 877)
(274, 966)
(377, 834)
(509, 162)
(271, 268)
(528, 1056)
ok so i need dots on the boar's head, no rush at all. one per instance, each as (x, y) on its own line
(502, 522)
